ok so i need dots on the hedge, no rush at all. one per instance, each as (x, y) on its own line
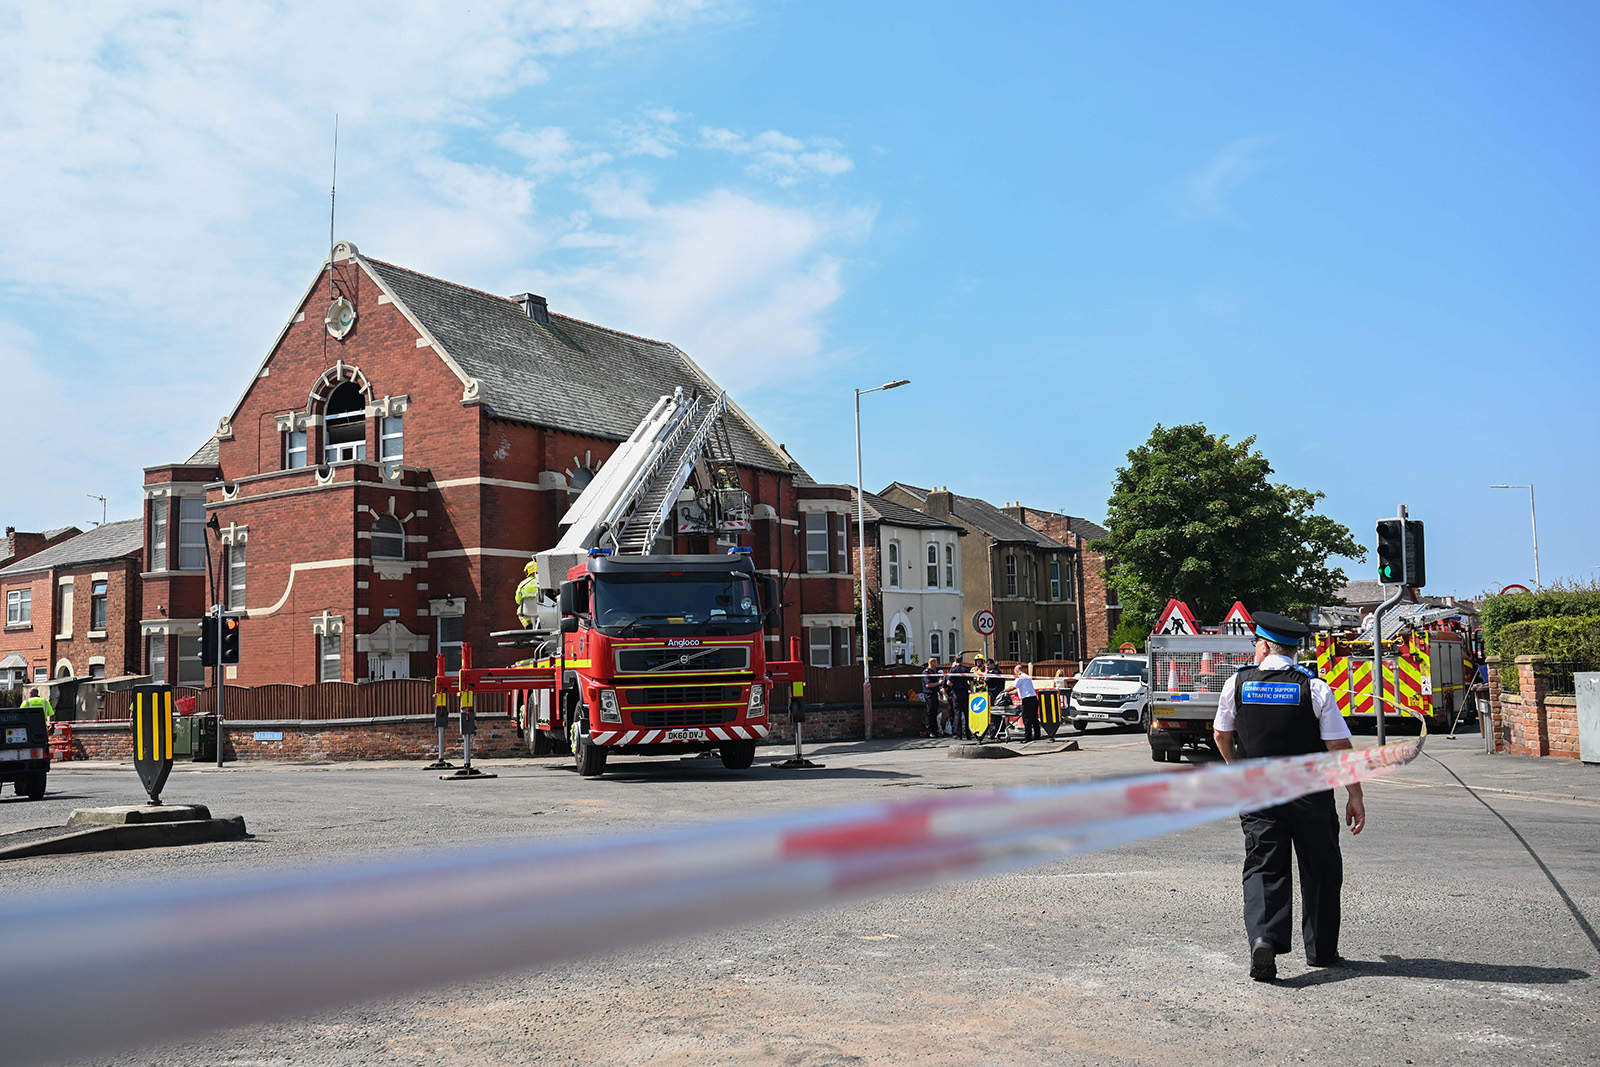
(1499, 612)
(1569, 639)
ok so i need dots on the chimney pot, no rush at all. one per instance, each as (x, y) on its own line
(535, 307)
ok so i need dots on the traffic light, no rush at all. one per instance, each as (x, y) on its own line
(1400, 553)
(229, 651)
(208, 641)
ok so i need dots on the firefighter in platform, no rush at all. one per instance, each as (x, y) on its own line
(1278, 709)
(528, 589)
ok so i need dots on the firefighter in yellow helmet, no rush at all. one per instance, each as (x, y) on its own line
(528, 590)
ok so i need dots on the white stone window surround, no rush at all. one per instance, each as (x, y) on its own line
(64, 599)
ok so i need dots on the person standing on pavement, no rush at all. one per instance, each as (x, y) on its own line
(1022, 682)
(1278, 709)
(930, 697)
(36, 701)
(959, 686)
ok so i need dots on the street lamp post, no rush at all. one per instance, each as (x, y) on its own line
(861, 548)
(1534, 515)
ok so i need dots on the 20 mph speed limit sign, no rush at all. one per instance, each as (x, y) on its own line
(983, 622)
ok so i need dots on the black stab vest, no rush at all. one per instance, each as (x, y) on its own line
(1273, 715)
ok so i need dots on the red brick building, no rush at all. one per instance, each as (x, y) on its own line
(403, 449)
(72, 608)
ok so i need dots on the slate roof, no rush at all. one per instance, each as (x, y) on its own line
(986, 518)
(208, 453)
(113, 540)
(570, 375)
(880, 510)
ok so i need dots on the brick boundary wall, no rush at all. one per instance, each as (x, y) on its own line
(1531, 722)
(331, 740)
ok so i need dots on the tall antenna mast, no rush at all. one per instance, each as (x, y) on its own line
(333, 195)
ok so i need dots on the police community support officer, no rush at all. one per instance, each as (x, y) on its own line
(931, 683)
(1277, 709)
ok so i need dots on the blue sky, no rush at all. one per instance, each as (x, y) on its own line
(1363, 233)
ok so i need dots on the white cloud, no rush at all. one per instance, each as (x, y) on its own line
(779, 157)
(165, 201)
(1204, 194)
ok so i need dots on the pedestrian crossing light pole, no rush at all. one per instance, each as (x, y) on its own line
(861, 548)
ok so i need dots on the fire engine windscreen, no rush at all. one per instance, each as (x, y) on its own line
(1127, 669)
(678, 603)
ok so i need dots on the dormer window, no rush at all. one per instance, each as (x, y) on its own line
(345, 425)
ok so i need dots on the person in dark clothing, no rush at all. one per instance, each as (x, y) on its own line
(958, 686)
(1277, 709)
(930, 697)
(1022, 684)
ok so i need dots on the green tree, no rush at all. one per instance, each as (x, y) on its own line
(1194, 517)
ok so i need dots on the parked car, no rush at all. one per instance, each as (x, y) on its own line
(1112, 689)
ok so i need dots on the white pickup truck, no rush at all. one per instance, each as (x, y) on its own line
(1186, 676)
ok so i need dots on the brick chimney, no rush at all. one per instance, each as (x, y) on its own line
(535, 307)
(1016, 512)
(939, 502)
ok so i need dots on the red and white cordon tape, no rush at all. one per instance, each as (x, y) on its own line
(161, 962)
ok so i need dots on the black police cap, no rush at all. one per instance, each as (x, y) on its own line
(1280, 629)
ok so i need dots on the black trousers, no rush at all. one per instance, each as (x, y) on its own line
(1310, 826)
(1030, 719)
(958, 714)
(932, 709)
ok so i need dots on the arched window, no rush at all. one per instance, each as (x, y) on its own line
(388, 538)
(577, 482)
(894, 570)
(900, 639)
(933, 566)
(955, 643)
(344, 424)
(949, 567)
(933, 644)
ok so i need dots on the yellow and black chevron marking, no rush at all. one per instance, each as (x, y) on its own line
(152, 725)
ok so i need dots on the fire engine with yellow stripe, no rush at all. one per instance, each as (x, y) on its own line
(1428, 664)
(638, 651)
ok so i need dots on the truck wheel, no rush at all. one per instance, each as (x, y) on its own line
(737, 755)
(1144, 720)
(1158, 754)
(33, 785)
(590, 758)
(539, 743)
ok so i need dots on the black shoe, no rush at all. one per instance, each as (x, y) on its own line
(1263, 960)
(1331, 961)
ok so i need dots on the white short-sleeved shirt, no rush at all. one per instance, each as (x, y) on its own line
(1330, 722)
(1024, 685)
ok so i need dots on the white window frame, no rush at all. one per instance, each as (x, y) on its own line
(392, 440)
(41, 674)
(191, 524)
(64, 605)
(396, 537)
(1011, 574)
(845, 645)
(190, 670)
(296, 451)
(933, 566)
(934, 641)
(1061, 643)
(894, 564)
(1014, 645)
(816, 542)
(99, 603)
(237, 575)
(821, 654)
(841, 553)
(156, 650)
(1055, 578)
(955, 643)
(949, 566)
(19, 607)
(330, 658)
(451, 649)
(158, 535)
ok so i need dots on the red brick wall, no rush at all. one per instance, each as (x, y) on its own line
(1531, 722)
(411, 737)
(34, 641)
(120, 645)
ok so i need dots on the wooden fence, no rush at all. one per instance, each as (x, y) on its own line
(310, 703)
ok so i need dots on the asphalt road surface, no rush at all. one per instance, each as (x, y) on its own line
(1470, 918)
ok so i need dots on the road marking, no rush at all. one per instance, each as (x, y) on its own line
(1520, 794)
